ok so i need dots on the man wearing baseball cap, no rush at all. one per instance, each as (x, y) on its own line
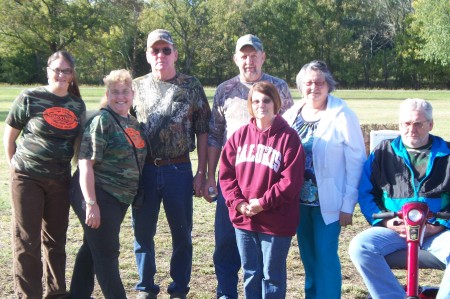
(172, 109)
(229, 113)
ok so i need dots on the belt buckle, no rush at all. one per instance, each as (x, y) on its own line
(156, 161)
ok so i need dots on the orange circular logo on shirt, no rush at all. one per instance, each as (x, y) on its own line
(60, 118)
(135, 136)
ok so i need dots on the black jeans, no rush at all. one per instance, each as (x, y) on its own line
(99, 253)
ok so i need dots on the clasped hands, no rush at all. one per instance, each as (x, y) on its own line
(251, 208)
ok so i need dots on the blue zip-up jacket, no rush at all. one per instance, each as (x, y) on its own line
(387, 181)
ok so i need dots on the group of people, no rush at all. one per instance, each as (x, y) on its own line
(284, 169)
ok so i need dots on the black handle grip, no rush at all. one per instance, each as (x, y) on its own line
(442, 215)
(384, 215)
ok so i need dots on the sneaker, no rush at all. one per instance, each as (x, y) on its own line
(177, 296)
(145, 295)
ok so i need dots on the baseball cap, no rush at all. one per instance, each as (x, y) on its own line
(159, 35)
(249, 40)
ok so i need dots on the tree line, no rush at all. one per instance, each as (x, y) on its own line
(366, 43)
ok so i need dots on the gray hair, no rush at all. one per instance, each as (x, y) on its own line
(318, 66)
(417, 105)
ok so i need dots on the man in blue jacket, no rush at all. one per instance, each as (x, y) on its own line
(413, 167)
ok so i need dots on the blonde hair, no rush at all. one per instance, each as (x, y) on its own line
(118, 76)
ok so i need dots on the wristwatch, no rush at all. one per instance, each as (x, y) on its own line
(90, 202)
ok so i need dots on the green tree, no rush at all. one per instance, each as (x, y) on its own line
(277, 23)
(48, 24)
(33, 29)
(101, 34)
(375, 26)
(116, 43)
(432, 22)
(185, 19)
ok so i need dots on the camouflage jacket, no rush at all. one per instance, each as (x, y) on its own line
(230, 112)
(171, 113)
(115, 167)
(49, 124)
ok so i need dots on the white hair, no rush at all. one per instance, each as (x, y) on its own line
(417, 105)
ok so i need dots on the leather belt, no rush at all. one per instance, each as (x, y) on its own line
(162, 162)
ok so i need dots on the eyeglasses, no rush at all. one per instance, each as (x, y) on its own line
(415, 124)
(316, 83)
(64, 71)
(166, 51)
(117, 93)
(265, 101)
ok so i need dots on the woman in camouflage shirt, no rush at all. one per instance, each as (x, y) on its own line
(105, 187)
(49, 120)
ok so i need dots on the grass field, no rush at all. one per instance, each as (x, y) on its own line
(374, 106)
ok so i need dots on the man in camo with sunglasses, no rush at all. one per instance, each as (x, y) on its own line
(229, 113)
(172, 109)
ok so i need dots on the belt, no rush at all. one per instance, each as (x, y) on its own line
(162, 162)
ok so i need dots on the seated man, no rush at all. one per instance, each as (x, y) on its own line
(413, 167)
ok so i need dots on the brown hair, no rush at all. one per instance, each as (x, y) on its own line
(268, 89)
(73, 87)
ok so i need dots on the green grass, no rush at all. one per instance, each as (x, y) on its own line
(371, 106)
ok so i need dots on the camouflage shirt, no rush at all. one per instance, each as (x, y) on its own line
(230, 111)
(49, 125)
(115, 167)
(171, 113)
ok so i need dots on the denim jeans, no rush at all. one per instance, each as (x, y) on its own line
(367, 251)
(40, 217)
(263, 260)
(227, 261)
(172, 185)
(99, 253)
(318, 244)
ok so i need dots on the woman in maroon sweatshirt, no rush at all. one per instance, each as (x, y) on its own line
(261, 174)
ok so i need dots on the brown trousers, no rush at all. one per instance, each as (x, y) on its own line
(40, 217)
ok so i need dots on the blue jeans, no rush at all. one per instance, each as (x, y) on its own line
(318, 244)
(367, 251)
(172, 185)
(99, 253)
(226, 255)
(263, 260)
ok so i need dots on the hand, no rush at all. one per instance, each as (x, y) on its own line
(93, 216)
(241, 208)
(345, 219)
(397, 225)
(433, 229)
(253, 207)
(199, 183)
(210, 182)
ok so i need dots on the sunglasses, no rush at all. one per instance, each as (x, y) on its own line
(265, 101)
(166, 51)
